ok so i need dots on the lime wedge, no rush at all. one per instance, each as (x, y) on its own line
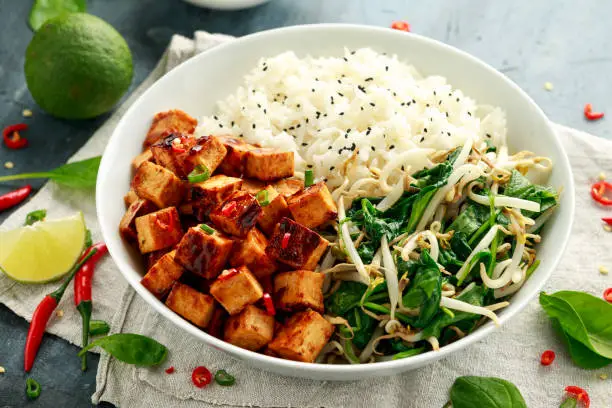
(44, 251)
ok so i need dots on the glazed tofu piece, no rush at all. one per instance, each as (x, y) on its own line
(268, 164)
(234, 162)
(130, 197)
(237, 215)
(207, 195)
(202, 253)
(147, 155)
(313, 207)
(252, 186)
(251, 251)
(192, 305)
(127, 226)
(152, 257)
(302, 337)
(299, 290)
(217, 323)
(273, 211)
(171, 151)
(172, 121)
(159, 185)
(252, 329)
(207, 153)
(162, 275)
(235, 289)
(295, 245)
(158, 230)
(288, 187)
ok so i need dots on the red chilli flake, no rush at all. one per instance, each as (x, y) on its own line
(227, 274)
(228, 208)
(285, 241)
(579, 394)
(401, 26)
(547, 358)
(590, 115)
(607, 295)
(169, 370)
(201, 377)
(269, 304)
(12, 138)
(602, 192)
(607, 220)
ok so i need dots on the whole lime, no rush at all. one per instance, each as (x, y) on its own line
(77, 66)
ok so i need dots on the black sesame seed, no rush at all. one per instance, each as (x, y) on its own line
(325, 115)
(470, 113)
(292, 128)
(446, 114)
(361, 108)
(403, 167)
(394, 94)
(353, 147)
(373, 148)
(342, 76)
(329, 147)
(341, 113)
(340, 151)
(346, 135)
(368, 79)
(253, 126)
(448, 133)
(427, 105)
(309, 166)
(307, 120)
(325, 179)
(265, 111)
(331, 168)
(391, 147)
(241, 135)
(361, 88)
(332, 100)
(353, 52)
(299, 125)
(220, 125)
(457, 99)
(313, 89)
(265, 68)
(341, 94)
(450, 94)
(259, 105)
(348, 130)
(408, 103)
(215, 118)
(233, 123)
(304, 144)
(403, 104)
(345, 59)
(387, 68)
(318, 114)
(422, 139)
(434, 92)
(413, 101)
(339, 81)
(425, 130)
(372, 104)
(488, 135)
(440, 102)
(316, 79)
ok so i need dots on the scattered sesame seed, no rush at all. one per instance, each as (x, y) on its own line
(2, 370)
(348, 130)
(220, 125)
(325, 115)
(313, 89)
(368, 79)
(602, 176)
(331, 168)
(241, 135)
(361, 108)
(373, 148)
(427, 105)
(340, 151)
(391, 147)
(372, 104)
(329, 147)
(387, 68)
(403, 167)
(298, 106)
(403, 104)
(265, 111)
(346, 135)
(607, 228)
(339, 81)
(341, 113)
(469, 113)
(422, 139)
(603, 376)
(446, 114)
(292, 128)
(265, 68)
(259, 105)
(215, 118)
(548, 86)
(309, 166)
(253, 126)
(448, 133)
(603, 270)
(434, 92)
(26, 113)
(307, 120)
(59, 313)
(425, 130)
(304, 144)
(345, 59)
(353, 147)
(233, 123)
(9, 165)
(457, 99)
(440, 102)
(341, 94)
(332, 100)
(361, 88)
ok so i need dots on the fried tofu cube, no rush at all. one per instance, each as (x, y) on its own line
(235, 289)
(158, 230)
(147, 155)
(202, 253)
(207, 195)
(192, 305)
(252, 329)
(234, 162)
(251, 251)
(217, 323)
(171, 151)
(237, 215)
(295, 245)
(302, 337)
(130, 197)
(127, 226)
(152, 257)
(172, 121)
(273, 211)
(299, 290)
(207, 152)
(268, 164)
(288, 187)
(252, 186)
(159, 185)
(313, 207)
(162, 275)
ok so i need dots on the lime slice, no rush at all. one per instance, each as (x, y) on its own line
(44, 251)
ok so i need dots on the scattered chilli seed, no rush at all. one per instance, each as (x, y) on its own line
(602, 176)
(59, 313)
(607, 228)
(603, 270)
(2, 370)
(548, 86)
(603, 376)
(169, 370)
(26, 113)
(9, 165)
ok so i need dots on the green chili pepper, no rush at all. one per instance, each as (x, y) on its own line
(131, 348)
(35, 216)
(262, 198)
(98, 327)
(32, 388)
(199, 174)
(88, 239)
(224, 378)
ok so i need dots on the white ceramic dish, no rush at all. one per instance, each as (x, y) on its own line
(196, 85)
(226, 4)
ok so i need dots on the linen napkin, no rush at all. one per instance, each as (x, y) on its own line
(511, 352)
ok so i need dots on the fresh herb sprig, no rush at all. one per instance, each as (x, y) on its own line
(131, 349)
(79, 174)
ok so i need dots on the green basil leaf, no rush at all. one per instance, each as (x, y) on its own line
(98, 327)
(485, 392)
(43, 10)
(80, 174)
(580, 354)
(131, 348)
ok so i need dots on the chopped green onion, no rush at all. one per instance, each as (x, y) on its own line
(35, 216)
(224, 378)
(532, 268)
(308, 178)
(207, 229)
(262, 197)
(88, 239)
(32, 388)
(199, 174)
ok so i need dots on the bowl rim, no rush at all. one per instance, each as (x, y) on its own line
(309, 369)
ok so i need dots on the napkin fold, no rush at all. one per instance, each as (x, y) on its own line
(511, 352)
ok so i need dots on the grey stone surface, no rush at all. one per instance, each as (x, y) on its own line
(564, 42)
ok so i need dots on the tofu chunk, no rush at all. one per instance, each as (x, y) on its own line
(299, 290)
(252, 186)
(302, 337)
(162, 275)
(147, 155)
(251, 251)
(192, 305)
(127, 226)
(273, 211)
(207, 195)
(172, 121)
(288, 187)
(313, 207)
(158, 230)
(295, 245)
(252, 329)
(171, 152)
(268, 164)
(234, 162)
(208, 152)
(235, 289)
(202, 253)
(217, 323)
(159, 185)
(130, 197)
(237, 215)
(152, 257)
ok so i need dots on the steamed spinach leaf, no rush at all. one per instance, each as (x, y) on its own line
(425, 290)
(519, 186)
(470, 219)
(345, 298)
(363, 327)
(485, 392)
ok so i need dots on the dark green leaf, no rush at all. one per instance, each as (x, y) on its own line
(345, 298)
(485, 392)
(98, 327)
(580, 354)
(131, 348)
(470, 219)
(35, 216)
(460, 246)
(409, 353)
(420, 204)
(81, 174)
(363, 327)
(43, 10)
(424, 290)
(519, 186)
(88, 239)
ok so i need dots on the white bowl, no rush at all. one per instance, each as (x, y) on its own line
(226, 4)
(197, 84)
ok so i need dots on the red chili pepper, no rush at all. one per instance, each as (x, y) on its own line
(607, 295)
(12, 198)
(12, 138)
(607, 220)
(401, 26)
(227, 274)
(228, 208)
(269, 304)
(285, 241)
(579, 394)
(547, 358)
(590, 115)
(43, 312)
(169, 370)
(599, 190)
(201, 377)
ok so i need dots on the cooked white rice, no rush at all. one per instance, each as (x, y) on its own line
(377, 106)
